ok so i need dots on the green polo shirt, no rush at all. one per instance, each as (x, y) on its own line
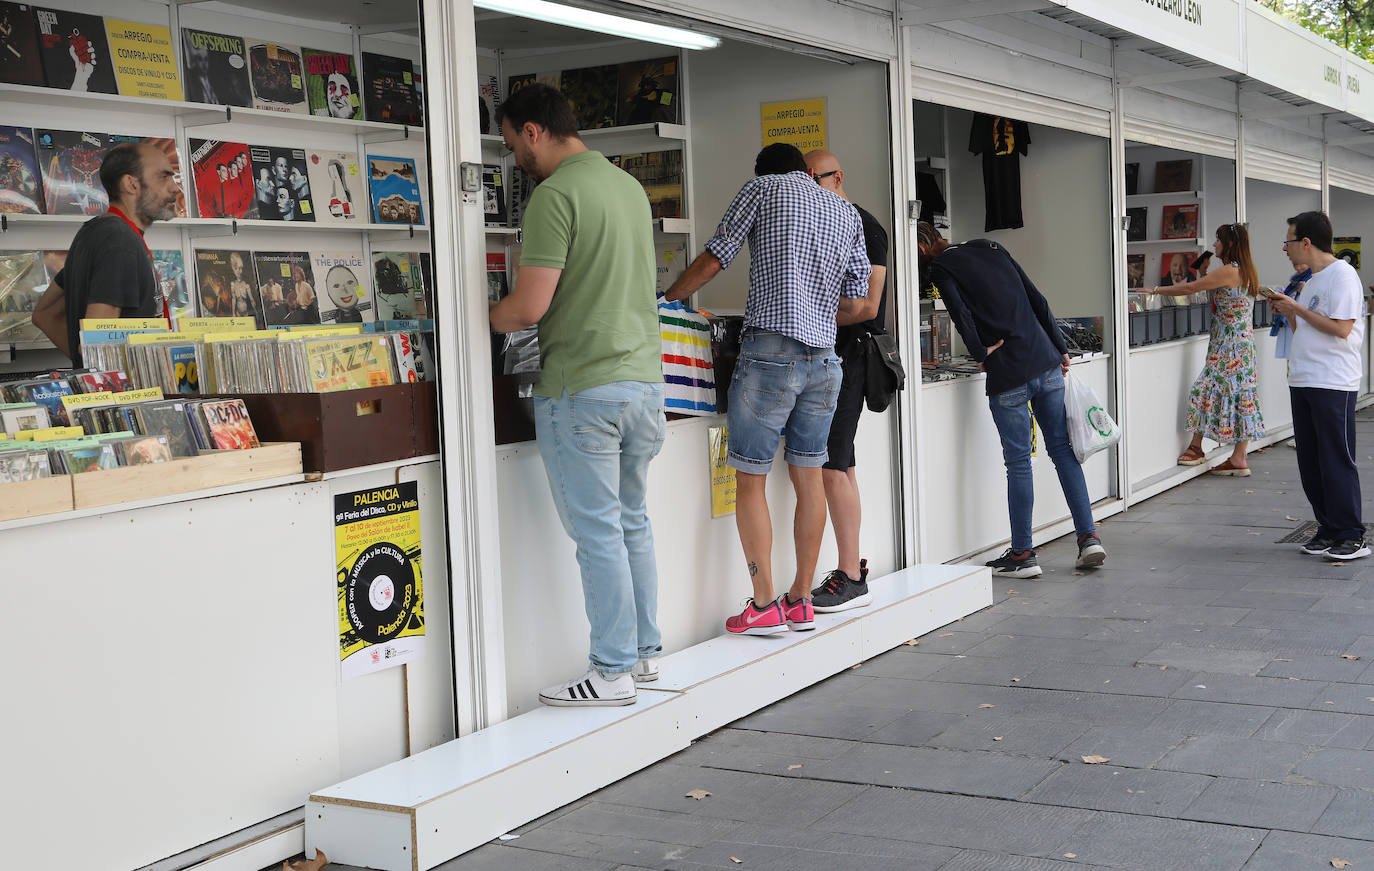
(591, 220)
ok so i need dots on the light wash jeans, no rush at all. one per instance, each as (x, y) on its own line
(596, 445)
(1044, 393)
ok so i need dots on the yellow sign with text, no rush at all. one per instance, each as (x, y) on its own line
(799, 122)
(722, 476)
(143, 60)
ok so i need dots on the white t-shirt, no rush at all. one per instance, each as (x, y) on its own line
(1320, 359)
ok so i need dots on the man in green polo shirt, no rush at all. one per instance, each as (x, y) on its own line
(587, 279)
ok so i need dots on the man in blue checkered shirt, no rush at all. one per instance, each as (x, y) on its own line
(807, 261)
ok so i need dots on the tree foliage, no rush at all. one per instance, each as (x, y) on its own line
(1348, 23)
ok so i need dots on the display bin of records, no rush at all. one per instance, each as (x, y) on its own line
(344, 429)
(425, 410)
(1135, 323)
(1197, 318)
(202, 472)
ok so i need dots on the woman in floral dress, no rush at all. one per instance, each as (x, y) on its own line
(1222, 403)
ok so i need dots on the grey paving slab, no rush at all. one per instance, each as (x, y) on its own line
(917, 728)
(773, 753)
(904, 662)
(1015, 648)
(1287, 583)
(979, 621)
(1047, 626)
(1319, 728)
(501, 857)
(949, 640)
(1328, 668)
(600, 818)
(936, 770)
(1211, 718)
(1266, 600)
(978, 860)
(828, 720)
(1151, 844)
(1112, 788)
(986, 671)
(744, 853)
(1348, 698)
(1126, 746)
(1349, 815)
(1260, 804)
(1289, 851)
(1111, 679)
(1249, 690)
(1020, 736)
(609, 848)
(958, 821)
(1343, 605)
(754, 798)
(1234, 757)
(1338, 767)
(1207, 659)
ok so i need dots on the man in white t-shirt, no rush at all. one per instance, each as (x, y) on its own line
(1323, 377)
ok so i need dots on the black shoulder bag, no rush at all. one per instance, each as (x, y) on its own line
(883, 372)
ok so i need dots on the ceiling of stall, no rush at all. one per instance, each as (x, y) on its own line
(404, 16)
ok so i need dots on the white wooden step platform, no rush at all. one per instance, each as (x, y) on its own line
(422, 811)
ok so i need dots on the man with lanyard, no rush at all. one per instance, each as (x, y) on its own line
(109, 271)
(847, 586)
(806, 261)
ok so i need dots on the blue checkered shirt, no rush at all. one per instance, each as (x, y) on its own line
(806, 249)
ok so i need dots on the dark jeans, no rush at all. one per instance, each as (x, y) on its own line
(1324, 426)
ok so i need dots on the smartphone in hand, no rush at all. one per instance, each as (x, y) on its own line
(1201, 259)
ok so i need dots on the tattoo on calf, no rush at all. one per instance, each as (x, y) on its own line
(753, 568)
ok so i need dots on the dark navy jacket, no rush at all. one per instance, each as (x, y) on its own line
(990, 298)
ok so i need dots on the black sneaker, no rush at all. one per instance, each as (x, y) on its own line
(840, 592)
(1015, 565)
(1091, 553)
(1347, 550)
(1318, 545)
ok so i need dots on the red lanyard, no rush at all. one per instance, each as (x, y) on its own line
(114, 210)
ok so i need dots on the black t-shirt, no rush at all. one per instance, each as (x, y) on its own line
(875, 239)
(1001, 141)
(107, 263)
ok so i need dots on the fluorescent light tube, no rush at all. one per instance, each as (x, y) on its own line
(586, 19)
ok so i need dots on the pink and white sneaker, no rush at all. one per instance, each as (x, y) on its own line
(768, 620)
(800, 615)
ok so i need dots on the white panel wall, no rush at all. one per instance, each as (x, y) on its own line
(702, 575)
(1352, 214)
(1268, 207)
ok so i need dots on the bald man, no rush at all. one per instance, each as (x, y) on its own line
(847, 586)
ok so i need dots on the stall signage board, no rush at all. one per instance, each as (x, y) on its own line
(798, 122)
(1359, 88)
(1209, 30)
(722, 476)
(1282, 54)
(381, 598)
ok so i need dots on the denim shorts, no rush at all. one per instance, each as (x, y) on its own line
(781, 387)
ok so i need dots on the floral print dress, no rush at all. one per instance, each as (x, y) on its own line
(1222, 404)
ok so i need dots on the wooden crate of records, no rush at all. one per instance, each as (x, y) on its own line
(208, 470)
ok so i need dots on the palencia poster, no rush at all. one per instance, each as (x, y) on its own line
(381, 596)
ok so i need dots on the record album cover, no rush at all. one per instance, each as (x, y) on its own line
(331, 84)
(497, 284)
(286, 283)
(226, 285)
(281, 183)
(172, 284)
(216, 67)
(399, 285)
(223, 173)
(592, 93)
(22, 282)
(1135, 226)
(647, 91)
(277, 77)
(488, 98)
(20, 63)
(1172, 176)
(493, 194)
(344, 277)
(229, 424)
(69, 163)
(19, 190)
(338, 189)
(1179, 222)
(660, 172)
(1135, 270)
(389, 90)
(395, 190)
(76, 55)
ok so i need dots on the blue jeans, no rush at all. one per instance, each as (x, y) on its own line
(596, 445)
(1045, 393)
(780, 386)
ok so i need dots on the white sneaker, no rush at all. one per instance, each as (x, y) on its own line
(591, 690)
(645, 670)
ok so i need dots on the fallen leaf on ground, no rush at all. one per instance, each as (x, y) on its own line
(912, 643)
(946, 634)
(736, 861)
(1016, 680)
(1252, 533)
(1286, 517)
(997, 737)
(1339, 863)
(1283, 660)
(303, 864)
(1350, 656)
(1013, 592)
(1078, 574)
(508, 837)
(985, 705)
(1247, 491)
(697, 794)
(1070, 855)
(793, 767)
(1096, 760)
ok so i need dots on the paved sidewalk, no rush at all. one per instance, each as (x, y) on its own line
(1226, 682)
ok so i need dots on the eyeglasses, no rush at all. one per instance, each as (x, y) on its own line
(1287, 242)
(817, 178)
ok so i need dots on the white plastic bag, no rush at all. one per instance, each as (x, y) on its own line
(1091, 428)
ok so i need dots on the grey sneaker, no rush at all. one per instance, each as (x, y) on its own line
(1347, 550)
(1317, 545)
(645, 670)
(1015, 565)
(1091, 553)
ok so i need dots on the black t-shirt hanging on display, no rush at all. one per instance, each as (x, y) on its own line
(932, 200)
(1001, 142)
